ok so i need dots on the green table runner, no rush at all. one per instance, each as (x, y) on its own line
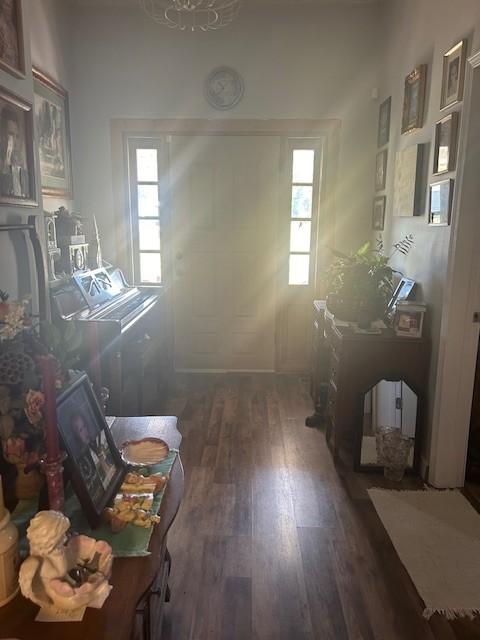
(131, 541)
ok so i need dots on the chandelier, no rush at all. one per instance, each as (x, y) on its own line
(192, 14)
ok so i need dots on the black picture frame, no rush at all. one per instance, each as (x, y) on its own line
(378, 213)
(17, 176)
(94, 463)
(445, 152)
(440, 203)
(381, 170)
(383, 135)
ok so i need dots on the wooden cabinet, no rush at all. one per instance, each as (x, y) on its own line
(347, 365)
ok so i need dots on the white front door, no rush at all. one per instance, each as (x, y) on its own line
(224, 193)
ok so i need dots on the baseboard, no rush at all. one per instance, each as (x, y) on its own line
(224, 371)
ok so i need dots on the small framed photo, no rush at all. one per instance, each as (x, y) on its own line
(94, 463)
(408, 319)
(52, 126)
(453, 75)
(441, 198)
(414, 99)
(445, 151)
(381, 170)
(383, 135)
(17, 165)
(378, 213)
(12, 58)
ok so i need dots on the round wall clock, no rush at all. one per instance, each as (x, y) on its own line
(224, 88)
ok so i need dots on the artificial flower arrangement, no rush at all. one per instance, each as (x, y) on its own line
(22, 428)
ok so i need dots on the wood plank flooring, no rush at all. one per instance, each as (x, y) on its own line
(272, 541)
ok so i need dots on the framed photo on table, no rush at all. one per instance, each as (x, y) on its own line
(94, 463)
(453, 75)
(12, 57)
(383, 135)
(381, 170)
(445, 151)
(441, 199)
(52, 127)
(414, 99)
(17, 165)
(378, 213)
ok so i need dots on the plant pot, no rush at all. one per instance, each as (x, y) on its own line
(353, 309)
(393, 449)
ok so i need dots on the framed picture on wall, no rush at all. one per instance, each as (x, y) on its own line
(12, 57)
(441, 198)
(381, 170)
(383, 135)
(409, 185)
(453, 75)
(445, 151)
(414, 99)
(52, 127)
(378, 213)
(17, 166)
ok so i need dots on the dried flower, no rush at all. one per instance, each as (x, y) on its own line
(34, 401)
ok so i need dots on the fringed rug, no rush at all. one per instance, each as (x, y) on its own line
(437, 537)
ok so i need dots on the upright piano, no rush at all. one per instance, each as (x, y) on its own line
(127, 337)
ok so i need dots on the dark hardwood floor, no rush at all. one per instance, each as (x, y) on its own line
(272, 541)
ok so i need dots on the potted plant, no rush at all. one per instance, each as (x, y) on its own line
(360, 285)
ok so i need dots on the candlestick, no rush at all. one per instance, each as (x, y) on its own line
(52, 465)
(48, 366)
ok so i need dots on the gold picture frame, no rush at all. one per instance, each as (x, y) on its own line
(445, 151)
(414, 99)
(454, 62)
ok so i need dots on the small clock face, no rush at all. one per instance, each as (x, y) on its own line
(224, 88)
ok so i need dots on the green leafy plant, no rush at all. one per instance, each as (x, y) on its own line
(364, 279)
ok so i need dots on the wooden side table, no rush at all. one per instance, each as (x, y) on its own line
(135, 607)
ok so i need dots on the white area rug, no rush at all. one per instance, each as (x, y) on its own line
(437, 537)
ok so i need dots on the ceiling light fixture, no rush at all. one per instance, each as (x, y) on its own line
(192, 14)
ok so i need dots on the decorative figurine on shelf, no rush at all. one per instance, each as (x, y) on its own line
(54, 253)
(72, 241)
(96, 260)
(64, 578)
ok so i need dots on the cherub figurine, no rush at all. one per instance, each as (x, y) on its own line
(64, 576)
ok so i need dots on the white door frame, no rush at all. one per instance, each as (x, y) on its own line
(459, 334)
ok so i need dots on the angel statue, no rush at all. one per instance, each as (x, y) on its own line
(63, 575)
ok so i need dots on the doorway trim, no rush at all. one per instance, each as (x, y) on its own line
(458, 333)
(122, 129)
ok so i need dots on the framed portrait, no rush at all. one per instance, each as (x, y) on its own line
(383, 135)
(378, 213)
(441, 198)
(414, 99)
(381, 170)
(52, 127)
(94, 463)
(453, 75)
(17, 165)
(445, 152)
(12, 57)
(409, 182)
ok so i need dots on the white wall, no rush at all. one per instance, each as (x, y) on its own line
(416, 32)
(296, 63)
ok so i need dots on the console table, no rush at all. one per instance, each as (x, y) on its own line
(134, 609)
(347, 364)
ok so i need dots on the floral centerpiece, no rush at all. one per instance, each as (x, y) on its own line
(22, 428)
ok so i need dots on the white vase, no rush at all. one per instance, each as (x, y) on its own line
(9, 555)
